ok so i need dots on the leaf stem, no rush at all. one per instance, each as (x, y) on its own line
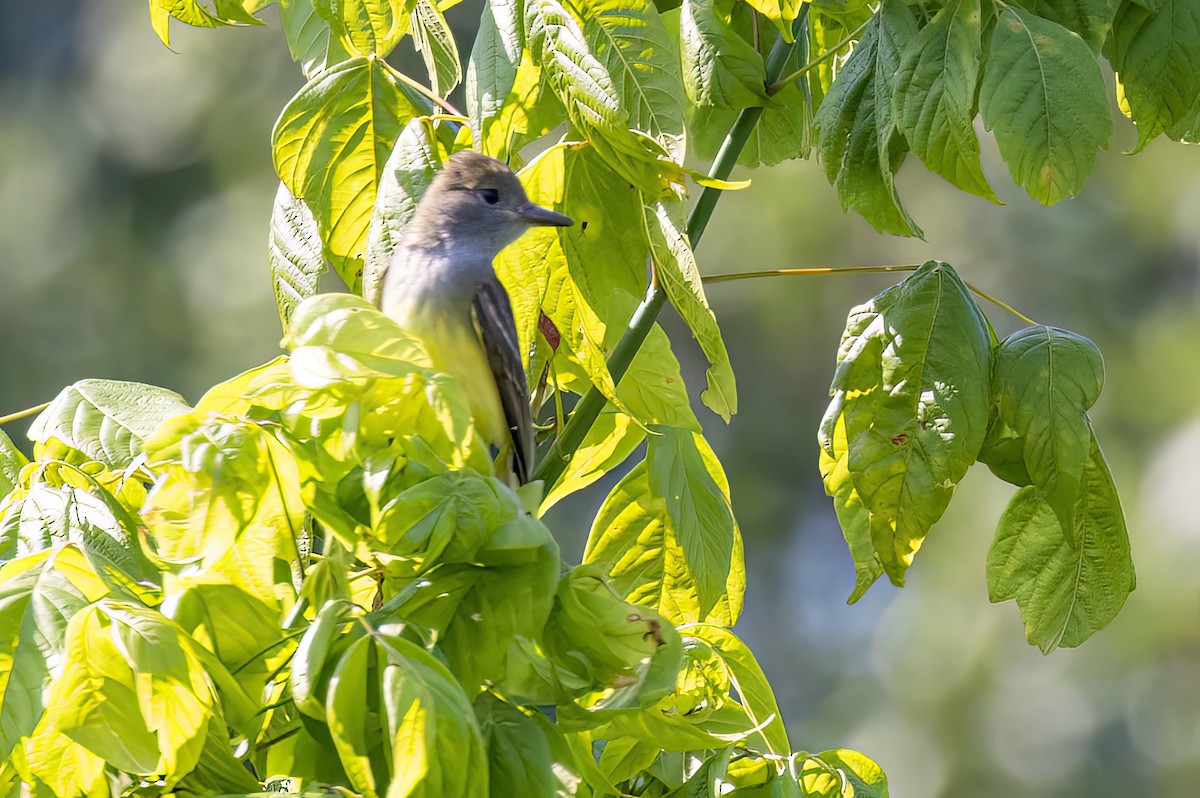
(907, 267)
(555, 461)
(26, 413)
(1000, 304)
(778, 85)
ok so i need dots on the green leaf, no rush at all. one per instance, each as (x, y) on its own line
(126, 667)
(842, 774)
(720, 68)
(934, 99)
(1091, 19)
(634, 539)
(227, 502)
(678, 466)
(367, 27)
(47, 517)
(107, 420)
(347, 709)
(1043, 96)
(1003, 453)
(11, 462)
(309, 38)
(1045, 380)
(330, 145)
(297, 256)
(520, 760)
(435, 41)
(438, 750)
(35, 607)
(1157, 58)
(675, 266)
(781, 13)
(859, 144)
(631, 41)
(1065, 592)
(419, 153)
(912, 382)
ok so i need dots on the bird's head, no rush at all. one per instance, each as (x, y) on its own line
(478, 201)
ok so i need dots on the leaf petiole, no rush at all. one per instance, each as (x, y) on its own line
(26, 413)
(780, 84)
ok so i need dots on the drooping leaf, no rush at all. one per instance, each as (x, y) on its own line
(912, 383)
(697, 507)
(1157, 58)
(1045, 380)
(675, 266)
(1065, 592)
(330, 146)
(747, 678)
(634, 539)
(852, 514)
(192, 12)
(934, 99)
(858, 140)
(720, 68)
(107, 420)
(297, 256)
(310, 40)
(1043, 96)
(435, 41)
(591, 97)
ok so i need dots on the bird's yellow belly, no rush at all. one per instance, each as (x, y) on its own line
(454, 349)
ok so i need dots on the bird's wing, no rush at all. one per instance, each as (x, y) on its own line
(493, 317)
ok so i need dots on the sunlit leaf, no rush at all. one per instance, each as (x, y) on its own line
(309, 38)
(330, 146)
(675, 266)
(912, 382)
(780, 12)
(1066, 592)
(297, 255)
(367, 27)
(720, 68)
(435, 41)
(107, 420)
(842, 774)
(1043, 96)
(11, 461)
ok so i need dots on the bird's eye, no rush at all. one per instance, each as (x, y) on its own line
(489, 195)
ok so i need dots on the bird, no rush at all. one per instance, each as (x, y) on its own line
(441, 287)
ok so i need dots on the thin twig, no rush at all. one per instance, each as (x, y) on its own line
(26, 413)
(1000, 304)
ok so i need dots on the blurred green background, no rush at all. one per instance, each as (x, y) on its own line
(135, 189)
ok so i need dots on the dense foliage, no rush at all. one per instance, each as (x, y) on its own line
(313, 578)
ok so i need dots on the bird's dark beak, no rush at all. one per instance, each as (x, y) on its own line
(537, 215)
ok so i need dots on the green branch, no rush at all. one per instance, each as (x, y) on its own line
(555, 461)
